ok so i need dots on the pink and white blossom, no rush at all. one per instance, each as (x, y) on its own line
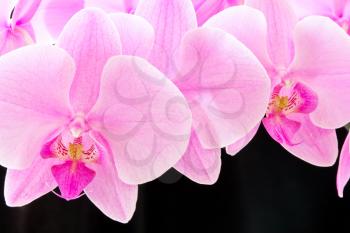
(308, 63)
(224, 83)
(82, 117)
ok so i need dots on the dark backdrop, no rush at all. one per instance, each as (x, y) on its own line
(261, 190)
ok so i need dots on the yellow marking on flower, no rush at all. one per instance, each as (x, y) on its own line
(75, 151)
(281, 102)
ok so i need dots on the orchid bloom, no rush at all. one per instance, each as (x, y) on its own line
(224, 83)
(308, 63)
(16, 31)
(83, 117)
(337, 10)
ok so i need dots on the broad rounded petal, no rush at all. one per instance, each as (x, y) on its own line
(52, 15)
(312, 144)
(281, 21)
(171, 20)
(199, 164)
(322, 62)
(143, 116)
(24, 11)
(246, 24)
(344, 167)
(11, 40)
(91, 38)
(236, 147)
(114, 198)
(136, 34)
(24, 186)
(34, 102)
(226, 86)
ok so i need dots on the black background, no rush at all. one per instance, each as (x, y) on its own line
(263, 189)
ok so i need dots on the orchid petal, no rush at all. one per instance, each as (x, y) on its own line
(143, 116)
(312, 144)
(114, 198)
(281, 21)
(206, 8)
(282, 129)
(111, 6)
(171, 20)
(313, 7)
(24, 186)
(199, 164)
(72, 177)
(344, 167)
(52, 15)
(322, 62)
(11, 40)
(34, 101)
(236, 147)
(91, 39)
(246, 24)
(228, 92)
(136, 34)
(24, 11)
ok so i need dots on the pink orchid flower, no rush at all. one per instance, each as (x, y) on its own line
(80, 116)
(337, 10)
(308, 63)
(224, 83)
(16, 31)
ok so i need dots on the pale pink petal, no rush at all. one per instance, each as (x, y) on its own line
(72, 178)
(14, 39)
(322, 62)
(114, 198)
(313, 7)
(136, 34)
(24, 11)
(206, 8)
(199, 164)
(339, 6)
(282, 129)
(236, 147)
(313, 144)
(52, 15)
(5, 12)
(24, 186)
(112, 6)
(34, 102)
(143, 116)
(171, 20)
(246, 24)
(281, 21)
(227, 87)
(344, 167)
(91, 38)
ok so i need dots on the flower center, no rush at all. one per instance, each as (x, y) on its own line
(281, 102)
(76, 154)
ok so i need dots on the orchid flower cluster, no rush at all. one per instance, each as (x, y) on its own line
(100, 96)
